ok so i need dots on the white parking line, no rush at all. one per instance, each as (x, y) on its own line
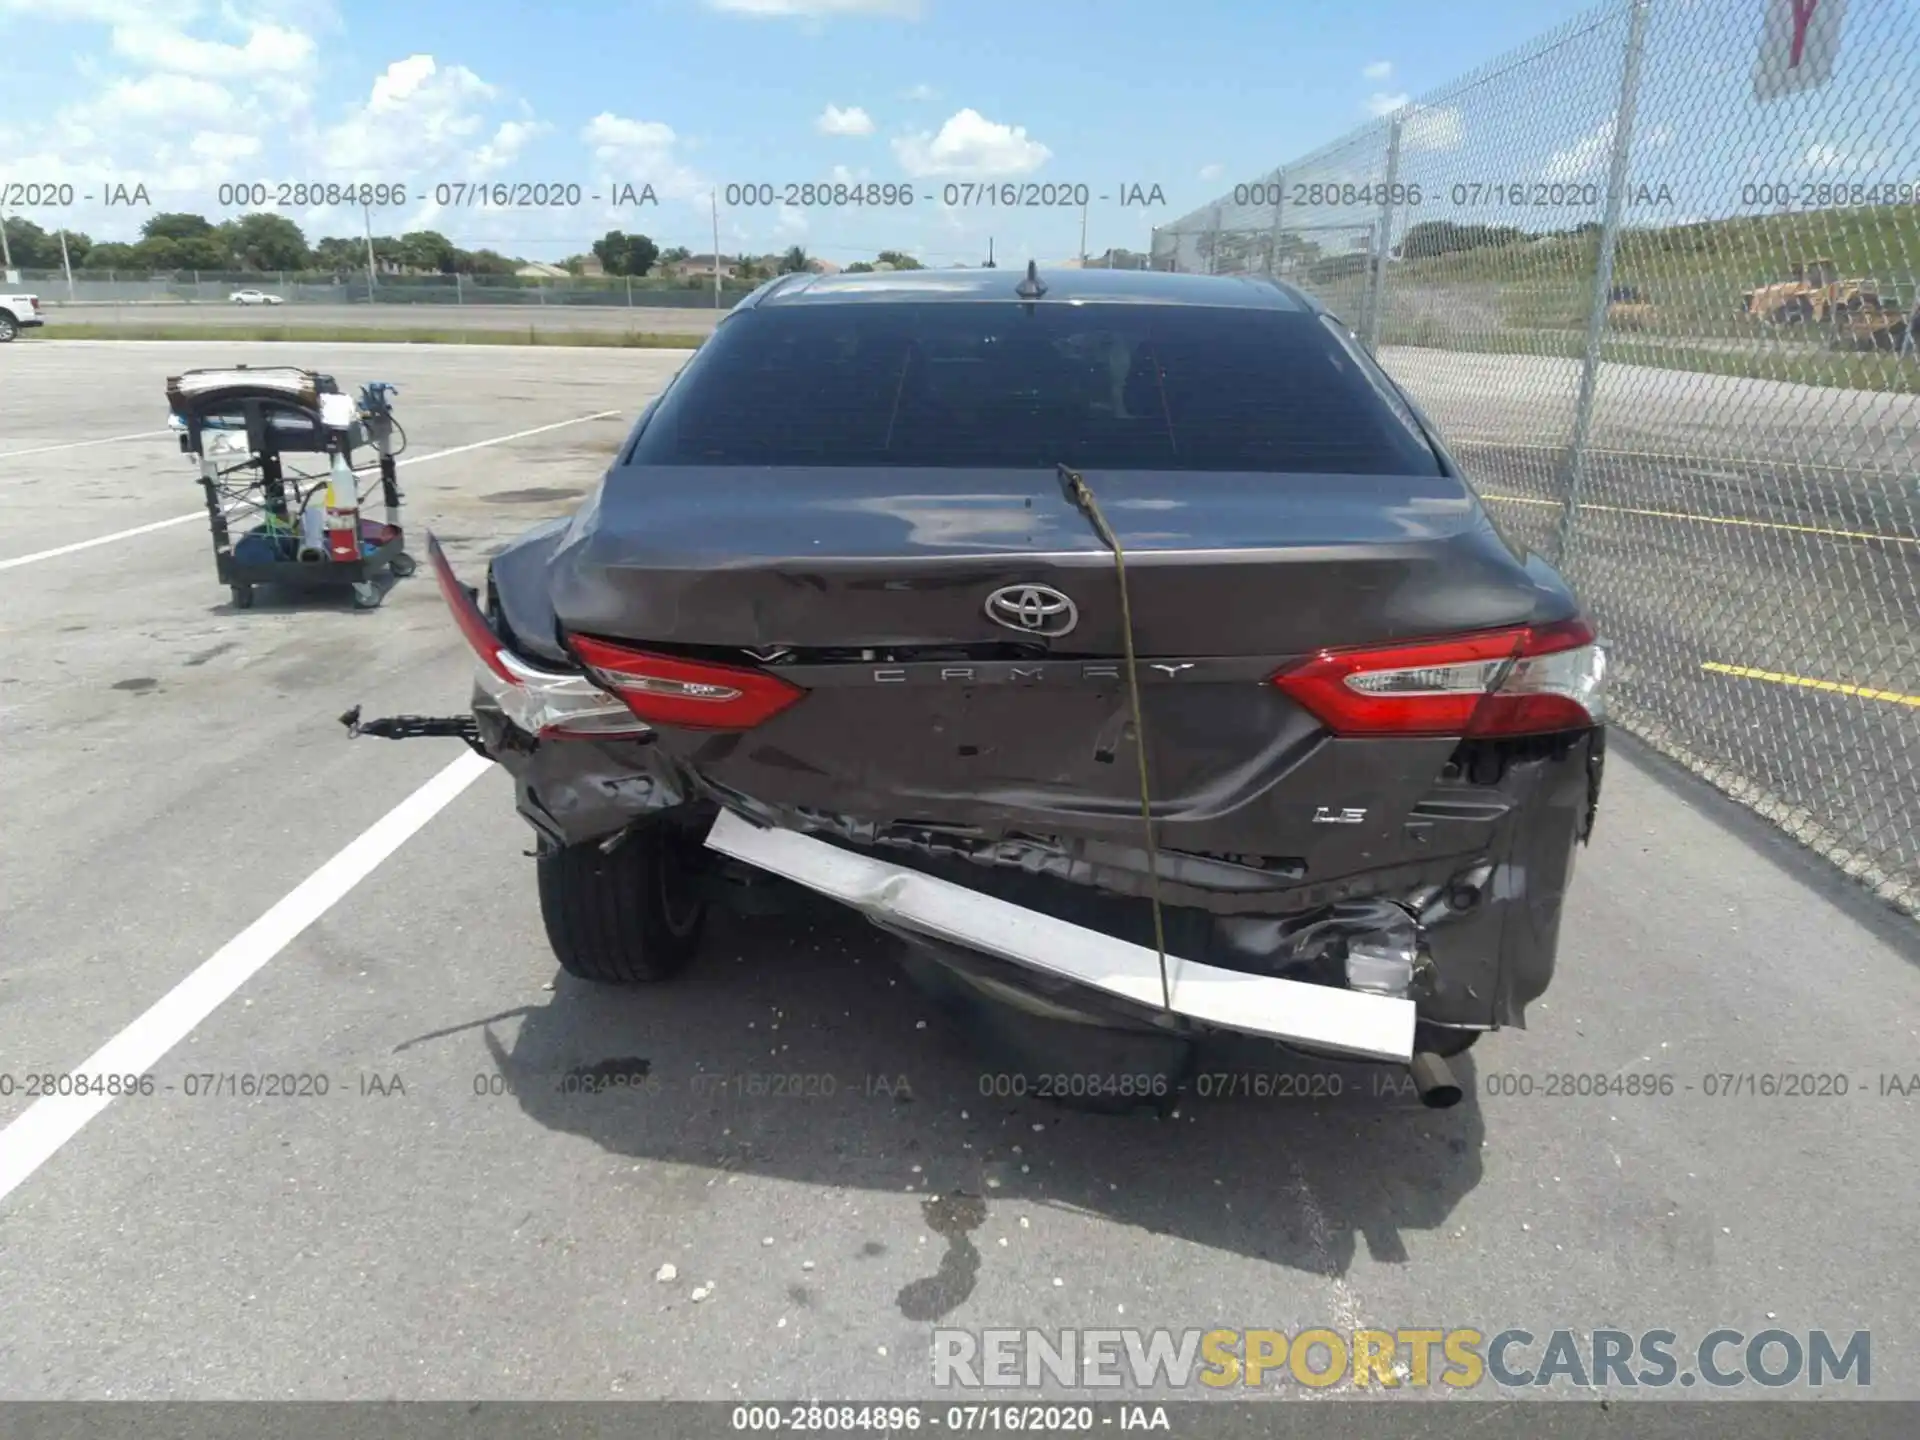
(19, 560)
(80, 444)
(47, 1124)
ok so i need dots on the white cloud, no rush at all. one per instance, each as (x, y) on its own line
(183, 98)
(843, 176)
(970, 144)
(819, 9)
(421, 121)
(642, 150)
(1583, 157)
(418, 118)
(920, 92)
(158, 99)
(851, 121)
(1381, 103)
(108, 11)
(222, 151)
(1831, 157)
(268, 50)
(507, 143)
(609, 131)
(1212, 172)
(1437, 129)
(1378, 70)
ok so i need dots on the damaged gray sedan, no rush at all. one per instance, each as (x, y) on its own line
(1128, 643)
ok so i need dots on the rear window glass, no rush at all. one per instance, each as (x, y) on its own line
(991, 385)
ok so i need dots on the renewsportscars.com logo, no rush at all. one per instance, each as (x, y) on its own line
(1392, 1359)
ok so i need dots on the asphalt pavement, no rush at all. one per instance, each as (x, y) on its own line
(482, 1201)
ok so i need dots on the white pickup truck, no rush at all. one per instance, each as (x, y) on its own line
(17, 313)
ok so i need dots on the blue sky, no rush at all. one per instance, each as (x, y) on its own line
(690, 94)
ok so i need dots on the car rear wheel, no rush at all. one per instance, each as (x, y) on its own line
(8, 328)
(627, 918)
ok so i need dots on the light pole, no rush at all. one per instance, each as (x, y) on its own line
(366, 213)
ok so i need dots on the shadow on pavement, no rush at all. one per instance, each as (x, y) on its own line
(798, 1049)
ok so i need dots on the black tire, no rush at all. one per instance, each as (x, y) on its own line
(403, 564)
(629, 918)
(242, 596)
(366, 595)
(8, 327)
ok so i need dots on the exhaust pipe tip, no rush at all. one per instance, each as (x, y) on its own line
(1433, 1081)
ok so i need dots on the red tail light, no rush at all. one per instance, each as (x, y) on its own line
(467, 615)
(549, 704)
(1526, 681)
(666, 690)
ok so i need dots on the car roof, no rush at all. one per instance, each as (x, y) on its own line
(1059, 287)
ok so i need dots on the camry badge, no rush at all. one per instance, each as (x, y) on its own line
(1032, 609)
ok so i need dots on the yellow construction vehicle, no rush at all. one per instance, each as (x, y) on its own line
(1815, 295)
(1629, 309)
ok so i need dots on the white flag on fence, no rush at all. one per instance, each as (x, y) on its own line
(1798, 42)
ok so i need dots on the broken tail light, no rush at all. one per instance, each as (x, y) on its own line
(1531, 680)
(551, 704)
(691, 694)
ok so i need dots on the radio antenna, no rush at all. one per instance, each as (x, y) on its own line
(1074, 484)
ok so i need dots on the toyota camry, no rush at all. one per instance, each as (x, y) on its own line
(1129, 644)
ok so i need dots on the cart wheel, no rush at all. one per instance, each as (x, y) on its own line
(403, 564)
(366, 595)
(242, 596)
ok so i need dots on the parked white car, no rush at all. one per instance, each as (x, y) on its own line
(254, 297)
(17, 313)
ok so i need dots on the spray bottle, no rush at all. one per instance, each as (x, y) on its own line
(343, 512)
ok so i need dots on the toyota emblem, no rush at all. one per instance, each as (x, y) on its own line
(1032, 609)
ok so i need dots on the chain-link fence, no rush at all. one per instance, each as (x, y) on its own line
(1657, 277)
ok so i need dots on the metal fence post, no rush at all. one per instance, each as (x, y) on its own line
(1383, 238)
(1623, 117)
(1273, 240)
(1213, 242)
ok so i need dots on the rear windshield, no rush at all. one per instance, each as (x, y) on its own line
(990, 385)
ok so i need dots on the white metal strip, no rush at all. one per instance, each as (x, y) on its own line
(1374, 1027)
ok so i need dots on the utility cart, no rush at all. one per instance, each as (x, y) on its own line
(240, 423)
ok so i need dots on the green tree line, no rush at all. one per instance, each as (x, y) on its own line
(261, 242)
(268, 243)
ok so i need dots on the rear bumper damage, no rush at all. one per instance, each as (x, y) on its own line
(1330, 892)
(1342, 1022)
(1461, 940)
